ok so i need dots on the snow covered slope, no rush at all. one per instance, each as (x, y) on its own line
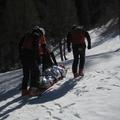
(95, 97)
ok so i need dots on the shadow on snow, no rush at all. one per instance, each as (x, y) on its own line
(55, 94)
(9, 107)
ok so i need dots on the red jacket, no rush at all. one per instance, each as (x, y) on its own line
(77, 37)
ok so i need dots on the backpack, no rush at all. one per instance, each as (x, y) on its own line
(78, 36)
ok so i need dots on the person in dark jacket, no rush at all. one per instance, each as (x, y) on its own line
(29, 56)
(46, 55)
(77, 37)
(48, 59)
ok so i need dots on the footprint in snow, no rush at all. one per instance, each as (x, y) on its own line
(116, 85)
(56, 118)
(102, 88)
(47, 108)
(80, 92)
(77, 115)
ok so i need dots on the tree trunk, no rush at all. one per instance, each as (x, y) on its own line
(61, 52)
(64, 49)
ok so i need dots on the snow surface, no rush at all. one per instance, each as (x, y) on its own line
(95, 97)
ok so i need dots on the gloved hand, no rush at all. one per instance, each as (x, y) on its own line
(89, 47)
(69, 50)
(55, 64)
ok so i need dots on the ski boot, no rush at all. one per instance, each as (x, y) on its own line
(25, 92)
(75, 75)
(34, 91)
(81, 72)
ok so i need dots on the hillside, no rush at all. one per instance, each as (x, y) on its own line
(95, 97)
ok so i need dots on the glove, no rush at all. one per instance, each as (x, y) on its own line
(55, 63)
(89, 47)
(69, 50)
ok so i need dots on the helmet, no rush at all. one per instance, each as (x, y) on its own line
(36, 28)
(37, 32)
(43, 30)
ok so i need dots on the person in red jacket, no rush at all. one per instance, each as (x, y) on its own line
(77, 37)
(29, 56)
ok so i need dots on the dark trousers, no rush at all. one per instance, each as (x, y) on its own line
(79, 58)
(30, 73)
